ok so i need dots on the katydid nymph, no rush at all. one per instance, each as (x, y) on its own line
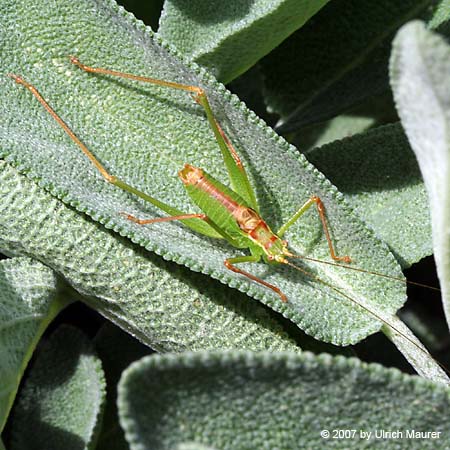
(229, 213)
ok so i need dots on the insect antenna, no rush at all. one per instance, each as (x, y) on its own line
(359, 269)
(355, 302)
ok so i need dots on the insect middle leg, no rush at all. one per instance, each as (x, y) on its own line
(314, 200)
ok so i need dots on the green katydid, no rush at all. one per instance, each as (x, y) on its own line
(230, 214)
(227, 213)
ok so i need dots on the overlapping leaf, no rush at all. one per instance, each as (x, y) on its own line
(29, 300)
(373, 113)
(378, 173)
(229, 37)
(145, 134)
(240, 400)
(420, 77)
(310, 77)
(61, 403)
(167, 306)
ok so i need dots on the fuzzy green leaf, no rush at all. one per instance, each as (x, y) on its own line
(342, 55)
(420, 77)
(29, 300)
(229, 37)
(146, 133)
(117, 350)
(378, 173)
(371, 114)
(245, 400)
(167, 306)
(192, 446)
(60, 405)
(441, 18)
(149, 11)
(415, 352)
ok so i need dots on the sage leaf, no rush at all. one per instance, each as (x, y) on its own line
(241, 400)
(341, 72)
(378, 174)
(414, 351)
(420, 77)
(166, 306)
(229, 37)
(369, 115)
(30, 298)
(145, 134)
(60, 405)
(192, 446)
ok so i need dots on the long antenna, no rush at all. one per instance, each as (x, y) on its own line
(358, 269)
(365, 308)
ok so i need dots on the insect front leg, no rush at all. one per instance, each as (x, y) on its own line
(229, 264)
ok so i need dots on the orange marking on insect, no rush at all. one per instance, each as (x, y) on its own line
(257, 229)
(270, 242)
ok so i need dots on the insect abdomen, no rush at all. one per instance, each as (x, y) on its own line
(215, 199)
(226, 209)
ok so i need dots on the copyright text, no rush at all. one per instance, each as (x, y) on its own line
(379, 434)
